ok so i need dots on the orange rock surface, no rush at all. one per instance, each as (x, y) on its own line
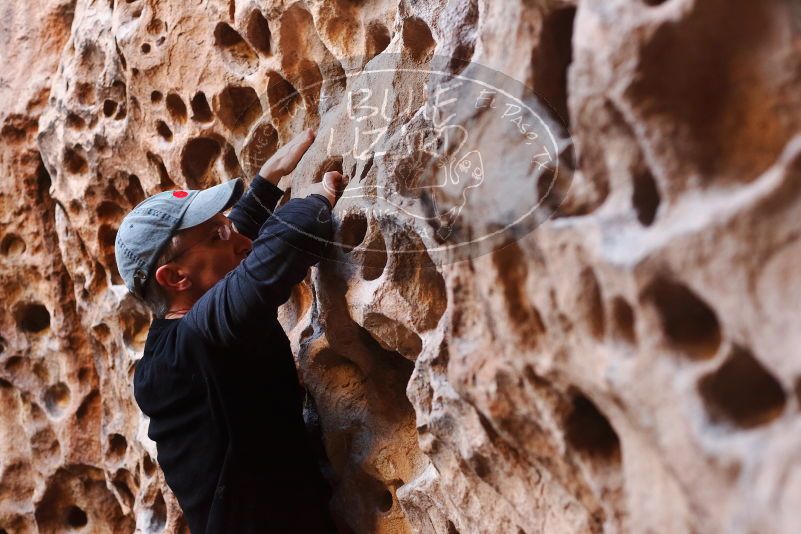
(623, 363)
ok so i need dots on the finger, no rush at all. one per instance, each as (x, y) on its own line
(335, 180)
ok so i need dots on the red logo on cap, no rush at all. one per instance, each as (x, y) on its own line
(180, 194)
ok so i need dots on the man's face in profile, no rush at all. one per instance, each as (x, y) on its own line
(204, 257)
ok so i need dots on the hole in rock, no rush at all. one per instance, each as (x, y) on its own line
(117, 446)
(145, 48)
(551, 59)
(375, 258)
(228, 39)
(460, 59)
(43, 180)
(588, 431)
(176, 108)
(225, 35)
(133, 191)
(231, 161)
(593, 302)
(512, 267)
(122, 111)
(352, 230)
(102, 331)
(452, 528)
(156, 96)
(109, 108)
(165, 183)
(109, 211)
(164, 130)
(645, 197)
(201, 111)
(85, 93)
(58, 509)
(156, 26)
(57, 399)
(238, 107)
(84, 374)
(32, 317)
(3, 345)
(74, 162)
(106, 235)
(75, 121)
(688, 323)
(14, 363)
(310, 79)
(196, 160)
(367, 166)
(258, 32)
(624, 319)
(378, 39)
(76, 517)
(158, 517)
(148, 465)
(281, 95)
(417, 38)
(742, 392)
(385, 501)
(90, 407)
(121, 483)
(12, 245)
(480, 465)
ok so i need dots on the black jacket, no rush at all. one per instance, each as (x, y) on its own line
(220, 386)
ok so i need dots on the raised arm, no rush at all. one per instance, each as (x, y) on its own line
(258, 202)
(291, 241)
(255, 207)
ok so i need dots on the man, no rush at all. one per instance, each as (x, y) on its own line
(217, 377)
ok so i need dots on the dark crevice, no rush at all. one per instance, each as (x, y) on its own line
(742, 392)
(197, 158)
(551, 60)
(201, 111)
(238, 107)
(258, 32)
(645, 197)
(417, 39)
(689, 324)
(352, 230)
(176, 108)
(589, 432)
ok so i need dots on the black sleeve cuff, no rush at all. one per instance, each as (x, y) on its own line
(264, 190)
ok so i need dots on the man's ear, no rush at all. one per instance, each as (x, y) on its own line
(173, 278)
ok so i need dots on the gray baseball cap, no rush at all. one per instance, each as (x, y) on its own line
(147, 229)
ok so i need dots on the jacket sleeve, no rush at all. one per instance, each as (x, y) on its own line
(294, 238)
(255, 206)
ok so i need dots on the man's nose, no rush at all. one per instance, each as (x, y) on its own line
(242, 243)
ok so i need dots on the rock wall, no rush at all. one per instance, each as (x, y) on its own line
(625, 360)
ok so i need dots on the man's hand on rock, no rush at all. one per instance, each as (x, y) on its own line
(331, 187)
(287, 157)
